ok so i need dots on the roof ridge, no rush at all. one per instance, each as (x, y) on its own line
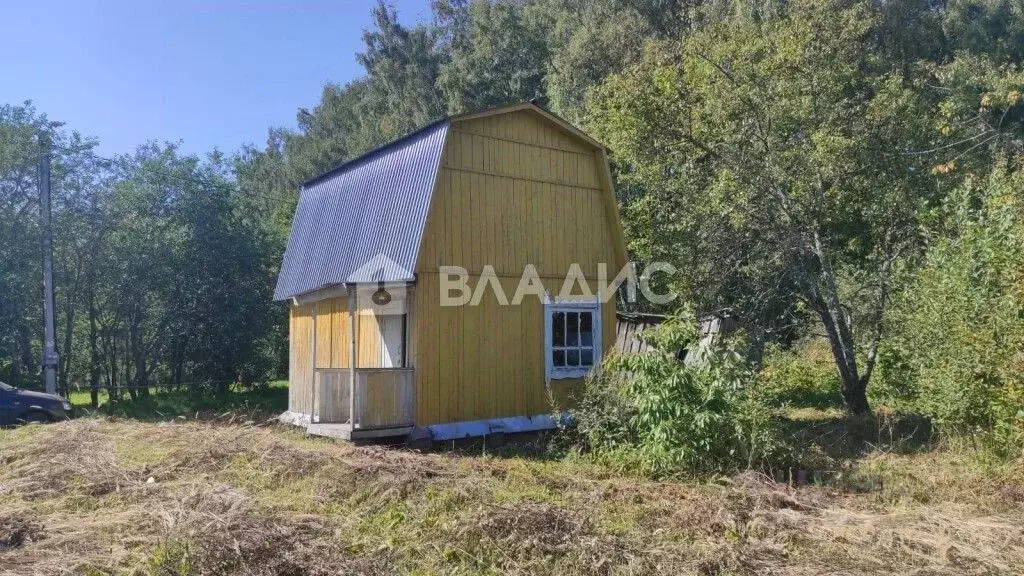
(373, 152)
(453, 118)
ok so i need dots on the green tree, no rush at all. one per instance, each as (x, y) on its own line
(402, 66)
(958, 348)
(499, 56)
(770, 159)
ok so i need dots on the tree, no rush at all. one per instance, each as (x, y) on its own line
(402, 66)
(20, 258)
(499, 58)
(771, 159)
(957, 350)
(587, 42)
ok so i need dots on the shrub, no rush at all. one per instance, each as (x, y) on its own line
(802, 376)
(668, 417)
(957, 352)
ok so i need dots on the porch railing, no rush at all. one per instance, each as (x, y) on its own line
(384, 397)
(331, 386)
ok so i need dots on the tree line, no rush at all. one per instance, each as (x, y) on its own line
(809, 167)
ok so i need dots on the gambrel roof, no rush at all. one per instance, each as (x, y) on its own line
(373, 207)
(363, 221)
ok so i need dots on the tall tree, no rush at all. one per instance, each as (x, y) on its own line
(772, 160)
(500, 58)
(402, 66)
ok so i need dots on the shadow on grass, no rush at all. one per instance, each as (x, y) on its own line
(255, 404)
(837, 437)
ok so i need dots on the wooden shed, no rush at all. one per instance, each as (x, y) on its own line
(382, 338)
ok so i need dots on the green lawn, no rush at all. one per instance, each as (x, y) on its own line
(254, 403)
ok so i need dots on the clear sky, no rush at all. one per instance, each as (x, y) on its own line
(206, 73)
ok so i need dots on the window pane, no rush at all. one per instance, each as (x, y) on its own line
(572, 329)
(558, 358)
(558, 329)
(573, 357)
(586, 328)
(587, 357)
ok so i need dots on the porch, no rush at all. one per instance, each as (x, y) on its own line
(350, 376)
(366, 403)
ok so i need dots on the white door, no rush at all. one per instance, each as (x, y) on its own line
(392, 332)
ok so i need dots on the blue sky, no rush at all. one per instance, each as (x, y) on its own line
(205, 73)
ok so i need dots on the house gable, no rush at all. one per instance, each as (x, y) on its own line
(519, 186)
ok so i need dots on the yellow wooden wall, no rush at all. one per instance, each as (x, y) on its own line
(332, 331)
(512, 190)
(300, 365)
(503, 198)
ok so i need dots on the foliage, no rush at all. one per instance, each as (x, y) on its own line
(498, 58)
(775, 174)
(958, 351)
(801, 376)
(698, 416)
(158, 275)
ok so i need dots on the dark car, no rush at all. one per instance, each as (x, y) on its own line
(23, 406)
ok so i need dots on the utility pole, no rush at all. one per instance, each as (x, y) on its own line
(50, 357)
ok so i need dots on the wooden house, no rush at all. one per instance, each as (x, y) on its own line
(377, 348)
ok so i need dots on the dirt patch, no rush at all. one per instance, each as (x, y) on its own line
(523, 537)
(17, 530)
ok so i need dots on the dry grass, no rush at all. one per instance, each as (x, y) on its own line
(77, 498)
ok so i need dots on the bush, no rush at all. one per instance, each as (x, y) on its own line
(803, 376)
(667, 417)
(957, 352)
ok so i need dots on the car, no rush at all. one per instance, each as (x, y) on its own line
(25, 406)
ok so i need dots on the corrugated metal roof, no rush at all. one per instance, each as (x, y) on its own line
(363, 221)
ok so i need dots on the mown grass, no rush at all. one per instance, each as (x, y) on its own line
(246, 499)
(186, 484)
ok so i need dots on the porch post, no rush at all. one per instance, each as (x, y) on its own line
(352, 355)
(312, 392)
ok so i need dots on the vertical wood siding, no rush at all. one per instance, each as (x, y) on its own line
(332, 388)
(384, 397)
(513, 190)
(300, 365)
(332, 334)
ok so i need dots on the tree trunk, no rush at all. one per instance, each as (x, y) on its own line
(855, 398)
(94, 353)
(824, 299)
(852, 386)
(69, 333)
(138, 354)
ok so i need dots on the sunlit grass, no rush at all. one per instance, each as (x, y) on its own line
(163, 404)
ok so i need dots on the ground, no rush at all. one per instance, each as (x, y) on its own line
(232, 494)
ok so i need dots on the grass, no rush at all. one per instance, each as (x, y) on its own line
(203, 484)
(257, 402)
(100, 495)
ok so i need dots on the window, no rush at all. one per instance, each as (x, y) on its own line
(572, 338)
